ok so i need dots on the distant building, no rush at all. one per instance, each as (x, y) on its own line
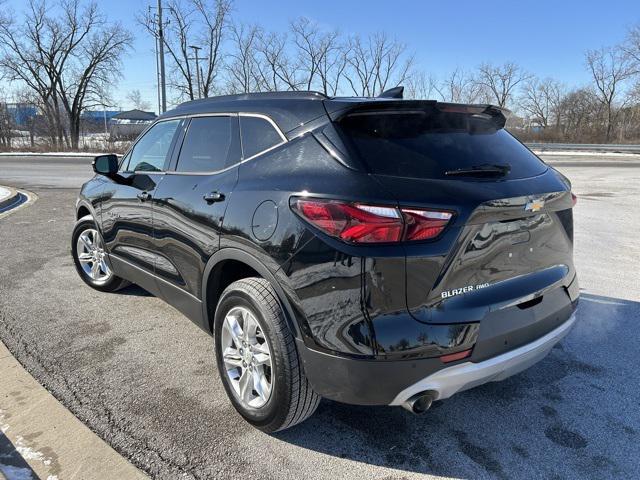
(99, 115)
(21, 113)
(130, 124)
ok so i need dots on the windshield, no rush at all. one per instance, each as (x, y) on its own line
(427, 144)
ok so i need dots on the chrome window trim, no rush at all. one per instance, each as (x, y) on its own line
(242, 160)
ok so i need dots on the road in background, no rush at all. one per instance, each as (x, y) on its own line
(143, 377)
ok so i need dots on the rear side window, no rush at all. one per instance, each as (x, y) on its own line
(258, 135)
(208, 145)
(427, 144)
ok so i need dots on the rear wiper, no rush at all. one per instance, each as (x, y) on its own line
(480, 171)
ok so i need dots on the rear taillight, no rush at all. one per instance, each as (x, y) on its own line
(424, 224)
(574, 199)
(362, 223)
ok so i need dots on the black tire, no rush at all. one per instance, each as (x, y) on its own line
(292, 399)
(112, 284)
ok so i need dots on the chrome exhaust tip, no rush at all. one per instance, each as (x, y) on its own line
(420, 402)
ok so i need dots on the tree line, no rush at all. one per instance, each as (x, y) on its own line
(65, 56)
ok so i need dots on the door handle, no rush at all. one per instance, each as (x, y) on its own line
(144, 196)
(212, 197)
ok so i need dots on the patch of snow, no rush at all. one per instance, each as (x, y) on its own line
(25, 451)
(4, 193)
(29, 453)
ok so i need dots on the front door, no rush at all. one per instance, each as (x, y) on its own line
(127, 219)
(189, 207)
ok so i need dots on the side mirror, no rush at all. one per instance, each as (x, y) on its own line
(105, 164)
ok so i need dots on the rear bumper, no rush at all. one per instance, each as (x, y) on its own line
(376, 382)
(464, 376)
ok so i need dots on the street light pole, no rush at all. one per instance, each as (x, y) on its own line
(196, 49)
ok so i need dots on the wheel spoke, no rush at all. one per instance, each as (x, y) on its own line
(260, 384)
(250, 326)
(84, 238)
(262, 359)
(246, 385)
(104, 267)
(84, 257)
(234, 329)
(95, 270)
(232, 357)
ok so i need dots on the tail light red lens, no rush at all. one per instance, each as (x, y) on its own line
(424, 224)
(574, 199)
(361, 223)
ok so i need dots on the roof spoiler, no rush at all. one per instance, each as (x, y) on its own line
(338, 108)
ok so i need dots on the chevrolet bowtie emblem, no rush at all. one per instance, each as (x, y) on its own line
(534, 205)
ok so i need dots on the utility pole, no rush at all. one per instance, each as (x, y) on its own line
(155, 51)
(163, 86)
(196, 49)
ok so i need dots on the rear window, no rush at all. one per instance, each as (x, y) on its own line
(427, 144)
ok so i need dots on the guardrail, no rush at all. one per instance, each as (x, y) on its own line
(585, 147)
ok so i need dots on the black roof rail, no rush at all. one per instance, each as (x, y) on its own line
(284, 95)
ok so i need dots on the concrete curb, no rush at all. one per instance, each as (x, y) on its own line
(51, 154)
(6, 200)
(53, 442)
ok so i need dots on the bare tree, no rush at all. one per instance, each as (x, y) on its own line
(242, 67)
(631, 48)
(333, 63)
(376, 64)
(460, 87)
(214, 15)
(202, 23)
(420, 86)
(542, 99)
(321, 59)
(609, 68)
(580, 108)
(500, 80)
(177, 35)
(68, 59)
(6, 122)
(275, 69)
(135, 97)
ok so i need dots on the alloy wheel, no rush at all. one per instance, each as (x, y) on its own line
(91, 256)
(247, 357)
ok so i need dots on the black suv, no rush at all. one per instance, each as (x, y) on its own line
(373, 251)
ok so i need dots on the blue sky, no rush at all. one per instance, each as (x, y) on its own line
(547, 38)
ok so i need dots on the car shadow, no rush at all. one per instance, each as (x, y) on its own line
(558, 419)
(12, 464)
(135, 291)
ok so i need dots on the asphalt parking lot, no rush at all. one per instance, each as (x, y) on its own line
(143, 377)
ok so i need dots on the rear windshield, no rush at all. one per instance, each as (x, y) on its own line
(427, 144)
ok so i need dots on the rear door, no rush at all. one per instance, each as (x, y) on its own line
(127, 217)
(510, 237)
(190, 203)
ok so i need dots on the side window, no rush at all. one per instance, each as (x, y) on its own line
(151, 151)
(258, 135)
(208, 145)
